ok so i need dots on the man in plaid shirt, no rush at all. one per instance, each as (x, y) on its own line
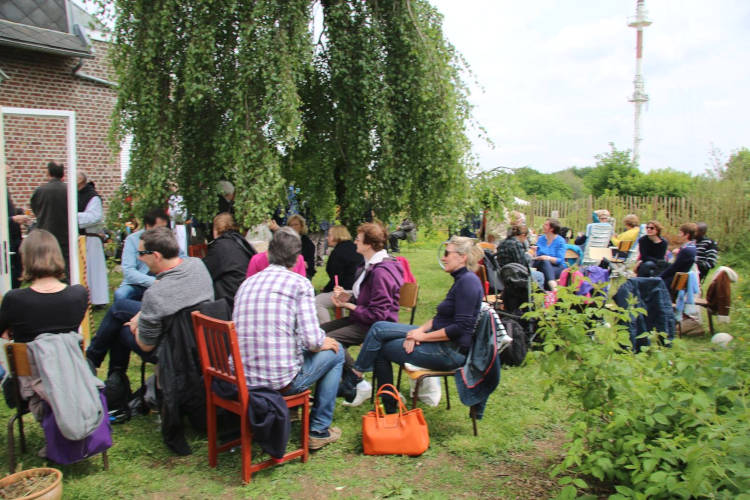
(280, 340)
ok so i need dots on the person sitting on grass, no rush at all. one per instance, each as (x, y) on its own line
(441, 343)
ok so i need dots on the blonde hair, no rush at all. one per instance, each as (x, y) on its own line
(41, 256)
(467, 246)
(339, 233)
(302, 223)
(223, 223)
(630, 220)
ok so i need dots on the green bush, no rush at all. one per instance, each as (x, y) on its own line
(666, 423)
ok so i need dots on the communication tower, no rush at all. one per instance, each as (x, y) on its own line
(639, 97)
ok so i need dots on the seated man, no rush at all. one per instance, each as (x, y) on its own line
(281, 343)
(406, 230)
(130, 325)
(135, 275)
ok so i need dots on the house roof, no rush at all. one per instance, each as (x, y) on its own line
(41, 25)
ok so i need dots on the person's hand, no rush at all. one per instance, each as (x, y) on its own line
(272, 225)
(330, 344)
(5, 334)
(21, 219)
(416, 335)
(409, 345)
(340, 294)
(133, 323)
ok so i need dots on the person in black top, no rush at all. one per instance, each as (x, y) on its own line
(227, 257)
(342, 265)
(48, 305)
(651, 248)
(15, 219)
(297, 222)
(50, 205)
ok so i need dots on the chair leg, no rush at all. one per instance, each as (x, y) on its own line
(473, 415)
(374, 388)
(416, 392)
(212, 433)
(447, 395)
(306, 429)
(710, 323)
(246, 447)
(398, 379)
(11, 446)
(105, 460)
(21, 435)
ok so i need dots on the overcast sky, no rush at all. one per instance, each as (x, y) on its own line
(557, 76)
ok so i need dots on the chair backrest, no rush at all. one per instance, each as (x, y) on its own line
(595, 255)
(679, 282)
(18, 359)
(408, 295)
(625, 246)
(217, 342)
(598, 235)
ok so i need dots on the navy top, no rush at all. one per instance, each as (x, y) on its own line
(651, 251)
(458, 312)
(682, 263)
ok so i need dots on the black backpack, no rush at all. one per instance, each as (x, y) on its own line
(118, 394)
(493, 272)
(516, 281)
(515, 353)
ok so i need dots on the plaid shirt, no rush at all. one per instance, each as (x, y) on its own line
(275, 319)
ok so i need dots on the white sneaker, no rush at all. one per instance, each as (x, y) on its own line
(364, 391)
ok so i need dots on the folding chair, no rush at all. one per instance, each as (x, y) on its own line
(597, 236)
(19, 366)
(220, 359)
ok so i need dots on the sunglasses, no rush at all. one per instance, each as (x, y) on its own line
(650, 227)
(145, 252)
(448, 252)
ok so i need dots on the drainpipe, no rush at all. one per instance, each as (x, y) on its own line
(76, 70)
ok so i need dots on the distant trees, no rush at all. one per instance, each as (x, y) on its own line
(545, 186)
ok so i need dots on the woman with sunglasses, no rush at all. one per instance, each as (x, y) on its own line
(442, 342)
(651, 248)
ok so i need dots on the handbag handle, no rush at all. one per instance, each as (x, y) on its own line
(384, 389)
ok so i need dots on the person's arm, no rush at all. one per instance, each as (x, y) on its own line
(382, 299)
(5, 316)
(311, 335)
(131, 274)
(92, 215)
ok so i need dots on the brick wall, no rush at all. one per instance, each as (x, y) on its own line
(45, 81)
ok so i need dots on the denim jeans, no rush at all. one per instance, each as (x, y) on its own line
(114, 337)
(323, 367)
(551, 271)
(133, 292)
(385, 344)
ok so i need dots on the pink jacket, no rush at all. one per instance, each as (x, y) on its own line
(259, 261)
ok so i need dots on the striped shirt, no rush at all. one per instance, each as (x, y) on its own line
(275, 319)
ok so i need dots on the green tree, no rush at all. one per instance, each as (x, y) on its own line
(545, 186)
(662, 182)
(614, 173)
(371, 114)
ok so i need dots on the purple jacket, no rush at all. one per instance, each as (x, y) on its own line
(379, 293)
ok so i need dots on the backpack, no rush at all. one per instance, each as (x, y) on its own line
(515, 353)
(493, 272)
(516, 282)
(118, 394)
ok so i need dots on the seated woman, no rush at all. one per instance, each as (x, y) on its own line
(686, 255)
(342, 266)
(514, 249)
(298, 223)
(651, 251)
(48, 305)
(442, 342)
(630, 234)
(374, 297)
(227, 258)
(550, 253)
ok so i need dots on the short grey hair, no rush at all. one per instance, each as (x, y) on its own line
(82, 176)
(226, 188)
(162, 240)
(285, 247)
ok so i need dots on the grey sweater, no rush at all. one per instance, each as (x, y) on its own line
(185, 285)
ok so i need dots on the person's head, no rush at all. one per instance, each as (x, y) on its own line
(371, 236)
(603, 215)
(702, 228)
(552, 226)
(653, 228)
(337, 234)
(55, 170)
(460, 252)
(297, 222)
(156, 217)
(82, 179)
(631, 221)
(226, 189)
(224, 222)
(157, 248)
(41, 256)
(518, 231)
(285, 247)
(688, 231)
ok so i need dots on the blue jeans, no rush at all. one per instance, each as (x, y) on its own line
(114, 337)
(551, 271)
(323, 367)
(385, 344)
(133, 292)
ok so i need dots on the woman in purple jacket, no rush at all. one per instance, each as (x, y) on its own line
(374, 297)
(442, 342)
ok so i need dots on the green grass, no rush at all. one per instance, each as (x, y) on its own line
(519, 439)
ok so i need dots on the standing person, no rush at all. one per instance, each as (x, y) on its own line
(550, 253)
(227, 257)
(281, 345)
(685, 256)
(48, 305)
(298, 223)
(342, 266)
(14, 235)
(226, 197)
(91, 224)
(707, 251)
(652, 248)
(50, 205)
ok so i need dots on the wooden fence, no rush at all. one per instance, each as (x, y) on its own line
(728, 217)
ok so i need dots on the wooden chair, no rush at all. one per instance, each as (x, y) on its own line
(217, 342)
(623, 248)
(19, 366)
(200, 250)
(407, 298)
(680, 282)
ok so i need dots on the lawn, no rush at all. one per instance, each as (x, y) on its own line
(520, 437)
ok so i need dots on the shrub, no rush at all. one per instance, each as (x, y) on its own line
(666, 423)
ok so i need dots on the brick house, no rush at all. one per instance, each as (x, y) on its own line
(53, 58)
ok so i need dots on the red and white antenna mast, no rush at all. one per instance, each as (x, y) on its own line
(639, 96)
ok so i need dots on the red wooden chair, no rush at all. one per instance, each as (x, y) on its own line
(217, 341)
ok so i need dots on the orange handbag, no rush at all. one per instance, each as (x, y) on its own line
(402, 433)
